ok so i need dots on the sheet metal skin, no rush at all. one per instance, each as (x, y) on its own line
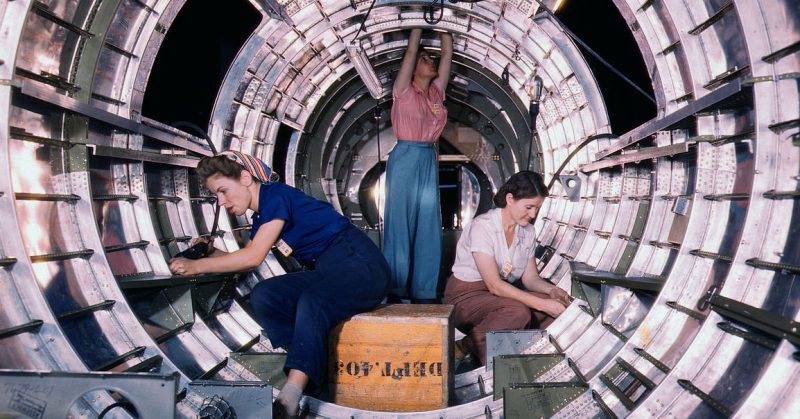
(48, 348)
(285, 73)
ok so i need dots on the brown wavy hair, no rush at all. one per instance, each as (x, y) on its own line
(521, 185)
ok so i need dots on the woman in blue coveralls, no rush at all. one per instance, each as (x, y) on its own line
(413, 220)
(351, 276)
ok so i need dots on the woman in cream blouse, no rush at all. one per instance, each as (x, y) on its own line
(495, 251)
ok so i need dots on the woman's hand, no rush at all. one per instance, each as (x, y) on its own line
(560, 295)
(183, 266)
(552, 308)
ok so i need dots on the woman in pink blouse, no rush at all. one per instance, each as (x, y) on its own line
(412, 216)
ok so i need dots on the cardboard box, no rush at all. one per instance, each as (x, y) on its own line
(395, 358)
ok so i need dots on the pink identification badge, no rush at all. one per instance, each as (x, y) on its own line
(507, 268)
(284, 248)
(436, 108)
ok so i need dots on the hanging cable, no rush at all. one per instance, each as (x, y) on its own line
(377, 113)
(594, 54)
(365, 19)
(429, 11)
(583, 144)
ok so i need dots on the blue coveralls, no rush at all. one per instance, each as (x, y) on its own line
(350, 277)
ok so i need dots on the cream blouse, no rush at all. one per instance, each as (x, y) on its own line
(485, 235)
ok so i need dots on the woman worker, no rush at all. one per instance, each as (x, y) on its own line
(413, 219)
(350, 276)
(495, 250)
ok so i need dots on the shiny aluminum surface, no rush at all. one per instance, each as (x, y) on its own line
(96, 198)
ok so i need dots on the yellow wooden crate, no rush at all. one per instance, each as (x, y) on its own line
(395, 358)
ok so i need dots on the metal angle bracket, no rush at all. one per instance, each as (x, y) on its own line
(572, 186)
(510, 342)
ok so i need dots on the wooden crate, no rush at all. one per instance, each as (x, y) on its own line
(395, 358)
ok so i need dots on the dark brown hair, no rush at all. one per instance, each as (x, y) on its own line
(210, 166)
(521, 185)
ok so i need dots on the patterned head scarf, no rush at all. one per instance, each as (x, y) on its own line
(255, 166)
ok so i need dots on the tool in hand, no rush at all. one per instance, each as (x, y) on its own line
(200, 249)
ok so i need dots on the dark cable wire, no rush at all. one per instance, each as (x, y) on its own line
(121, 403)
(378, 112)
(583, 144)
(594, 54)
(365, 19)
(428, 14)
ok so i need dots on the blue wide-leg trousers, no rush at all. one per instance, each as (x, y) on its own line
(413, 220)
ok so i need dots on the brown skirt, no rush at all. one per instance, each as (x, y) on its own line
(478, 311)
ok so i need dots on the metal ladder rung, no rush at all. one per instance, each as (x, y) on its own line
(725, 77)
(614, 331)
(646, 4)
(42, 10)
(674, 197)
(727, 139)
(603, 406)
(30, 327)
(762, 320)
(770, 343)
(7, 262)
(689, 312)
(174, 332)
(567, 256)
(149, 364)
(574, 367)
(667, 245)
(602, 234)
(715, 404)
(727, 197)
(783, 52)
(783, 126)
(671, 47)
(775, 266)
(710, 255)
(106, 99)
(23, 135)
(632, 239)
(119, 50)
(773, 194)
(28, 196)
(166, 198)
(119, 360)
(214, 370)
(49, 79)
(622, 397)
(249, 344)
(52, 257)
(646, 381)
(653, 360)
(712, 19)
(125, 246)
(114, 197)
(105, 305)
(640, 197)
